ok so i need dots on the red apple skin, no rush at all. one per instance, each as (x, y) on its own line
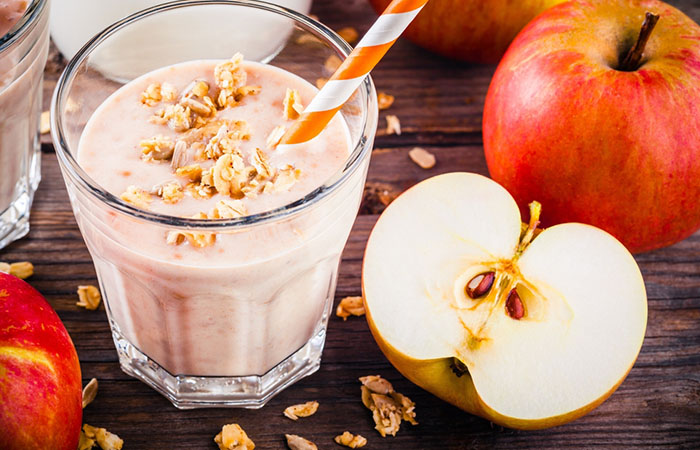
(617, 150)
(40, 381)
(470, 30)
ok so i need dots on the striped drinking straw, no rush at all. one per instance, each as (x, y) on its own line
(373, 46)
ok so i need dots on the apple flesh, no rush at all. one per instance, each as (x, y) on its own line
(595, 142)
(580, 293)
(40, 383)
(470, 30)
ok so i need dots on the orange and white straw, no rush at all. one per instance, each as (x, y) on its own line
(340, 87)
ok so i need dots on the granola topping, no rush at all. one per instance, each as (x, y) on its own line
(302, 410)
(232, 437)
(295, 442)
(21, 270)
(89, 297)
(388, 407)
(350, 440)
(350, 306)
(292, 105)
(107, 441)
(393, 125)
(89, 392)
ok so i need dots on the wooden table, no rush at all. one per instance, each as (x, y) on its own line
(440, 107)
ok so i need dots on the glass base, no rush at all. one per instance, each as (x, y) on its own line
(188, 392)
(14, 220)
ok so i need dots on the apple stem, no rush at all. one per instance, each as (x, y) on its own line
(632, 61)
(535, 211)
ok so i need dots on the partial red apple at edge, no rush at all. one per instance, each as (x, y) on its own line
(40, 381)
(596, 142)
(470, 30)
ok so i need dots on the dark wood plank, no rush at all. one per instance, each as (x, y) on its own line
(440, 107)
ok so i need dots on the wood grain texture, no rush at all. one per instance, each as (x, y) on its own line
(440, 108)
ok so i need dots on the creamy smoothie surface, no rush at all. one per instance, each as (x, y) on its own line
(10, 13)
(199, 139)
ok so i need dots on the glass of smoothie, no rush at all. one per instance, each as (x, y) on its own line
(24, 44)
(216, 249)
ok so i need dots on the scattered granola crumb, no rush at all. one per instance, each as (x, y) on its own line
(422, 157)
(302, 410)
(388, 407)
(349, 34)
(45, 122)
(137, 197)
(105, 439)
(320, 82)
(376, 197)
(152, 95)
(228, 209)
(350, 306)
(384, 100)
(332, 63)
(232, 437)
(158, 148)
(89, 297)
(229, 76)
(168, 92)
(85, 442)
(172, 192)
(89, 392)
(393, 125)
(295, 442)
(292, 105)
(22, 270)
(275, 136)
(193, 172)
(350, 440)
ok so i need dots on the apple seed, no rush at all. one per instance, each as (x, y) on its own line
(514, 306)
(480, 285)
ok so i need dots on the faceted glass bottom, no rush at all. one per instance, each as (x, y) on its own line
(253, 391)
(14, 220)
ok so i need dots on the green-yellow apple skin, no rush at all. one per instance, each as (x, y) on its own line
(40, 382)
(438, 377)
(619, 150)
(470, 30)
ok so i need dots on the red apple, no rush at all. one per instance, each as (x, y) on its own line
(40, 383)
(597, 139)
(470, 30)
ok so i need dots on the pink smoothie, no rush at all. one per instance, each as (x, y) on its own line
(242, 303)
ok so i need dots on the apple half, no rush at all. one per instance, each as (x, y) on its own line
(526, 328)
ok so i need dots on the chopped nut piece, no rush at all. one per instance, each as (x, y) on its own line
(228, 209)
(320, 82)
(45, 122)
(422, 157)
(152, 95)
(292, 104)
(247, 90)
(137, 197)
(22, 270)
(204, 108)
(377, 384)
(232, 437)
(172, 193)
(157, 148)
(349, 34)
(295, 442)
(105, 439)
(350, 440)
(275, 136)
(89, 297)
(89, 392)
(229, 77)
(302, 410)
(179, 157)
(193, 172)
(385, 100)
(350, 306)
(388, 407)
(332, 63)
(393, 125)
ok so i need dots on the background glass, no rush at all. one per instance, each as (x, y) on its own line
(23, 53)
(261, 324)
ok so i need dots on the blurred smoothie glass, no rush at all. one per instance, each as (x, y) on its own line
(24, 43)
(237, 322)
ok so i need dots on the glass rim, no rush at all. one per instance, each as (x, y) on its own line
(360, 147)
(25, 24)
